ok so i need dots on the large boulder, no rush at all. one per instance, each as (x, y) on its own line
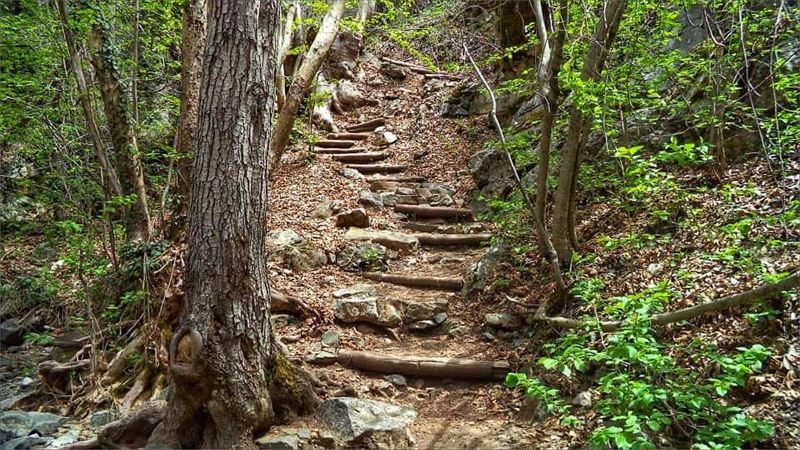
(348, 97)
(492, 175)
(288, 249)
(482, 272)
(366, 256)
(18, 424)
(353, 218)
(356, 419)
(343, 56)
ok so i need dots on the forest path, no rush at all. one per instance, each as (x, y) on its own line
(405, 166)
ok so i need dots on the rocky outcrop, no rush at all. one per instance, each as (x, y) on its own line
(360, 257)
(356, 420)
(288, 249)
(483, 271)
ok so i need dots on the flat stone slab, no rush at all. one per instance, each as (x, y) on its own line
(353, 418)
(391, 239)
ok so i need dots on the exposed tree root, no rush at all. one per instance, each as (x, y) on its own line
(120, 361)
(290, 304)
(369, 125)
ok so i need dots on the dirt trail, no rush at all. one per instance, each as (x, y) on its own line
(433, 151)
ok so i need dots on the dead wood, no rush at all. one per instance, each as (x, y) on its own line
(445, 284)
(58, 377)
(443, 76)
(120, 361)
(743, 298)
(334, 143)
(452, 239)
(398, 178)
(424, 366)
(359, 157)
(378, 168)
(416, 68)
(134, 429)
(281, 302)
(434, 212)
(348, 136)
(142, 382)
(369, 125)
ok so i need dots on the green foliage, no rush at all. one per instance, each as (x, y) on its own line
(42, 339)
(684, 154)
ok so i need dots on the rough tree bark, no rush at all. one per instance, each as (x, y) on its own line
(302, 80)
(86, 102)
(564, 202)
(292, 13)
(229, 378)
(123, 138)
(192, 46)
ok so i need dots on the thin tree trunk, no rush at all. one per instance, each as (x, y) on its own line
(564, 202)
(302, 80)
(365, 10)
(85, 100)
(123, 138)
(229, 378)
(192, 48)
(286, 41)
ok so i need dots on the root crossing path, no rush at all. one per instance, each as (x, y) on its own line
(371, 228)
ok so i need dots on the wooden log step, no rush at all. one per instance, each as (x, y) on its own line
(424, 366)
(399, 178)
(339, 151)
(378, 168)
(333, 143)
(435, 239)
(348, 136)
(434, 212)
(442, 284)
(429, 227)
(369, 125)
(359, 157)
(381, 185)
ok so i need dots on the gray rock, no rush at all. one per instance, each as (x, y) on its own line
(327, 209)
(503, 321)
(320, 357)
(405, 191)
(16, 424)
(369, 198)
(395, 379)
(391, 239)
(69, 438)
(414, 311)
(330, 338)
(11, 333)
(304, 434)
(360, 289)
(365, 256)
(351, 173)
(26, 442)
(422, 325)
(481, 273)
(354, 418)
(491, 173)
(283, 238)
(299, 258)
(392, 71)
(348, 97)
(281, 442)
(372, 310)
(583, 399)
(353, 218)
(389, 198)
(100, 418)
(387, 138)
(27, 382)
(343, 56)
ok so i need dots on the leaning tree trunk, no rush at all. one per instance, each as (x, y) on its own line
(86, 101)
(192, 46)
(123, 138)
(302, 80)
(292, 14)
(564, 202)
(229, 378)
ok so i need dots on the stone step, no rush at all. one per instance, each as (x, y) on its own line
(360, 157)
(391, 239)
(434, 212)
(398, 178)
(383, 185)
(369, 125)
(378, 168)
(439, 283)
(339, 151)
(348, 136)
(334, 143)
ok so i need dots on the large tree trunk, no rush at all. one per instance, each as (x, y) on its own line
(86, 101)
(564, 203)
(229, 378)
(302, 80)
(192, 47)
(123, 138)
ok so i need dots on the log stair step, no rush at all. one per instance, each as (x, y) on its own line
(398, 179)
(378, 168)
(434, 212)
(429, 227)
(437, 239)
(439, 283)
(333, 143)
(424, 366)
(339, 151)
(348, 136)
(369, 125)
(382, 185)
(360, 157)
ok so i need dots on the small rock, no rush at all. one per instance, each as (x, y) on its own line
(405, 191)
(422, 325)
(304, 434)
(654, 268)
(362, 257)
(282, 442)
(351, 173)
(419, 154)
(69, 438)
(320, 357)
(330, 338)
(489, 337)
(283, 238)
(397, 380)
(11, 333)
(392, 71)
(428, 310)
(389, 198)
(27, 382)
(327, 209)
(440, 318)
(369, 198)
(100, 418)
(502, 320)
(17, 424)
(388, 138)
(354, 418)
(391, 239)
(583, 399)
(353, 218)
(330, 279)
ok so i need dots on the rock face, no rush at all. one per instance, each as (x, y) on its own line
(19, 424)
(343, 55)
(485, 269)
(290, 250)
(397, 241)
(348, 97)
(11, 333)
(492, 175)
(369, 198)
(367, 309)
(355, 419)
(353, 218)
(366, 256)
